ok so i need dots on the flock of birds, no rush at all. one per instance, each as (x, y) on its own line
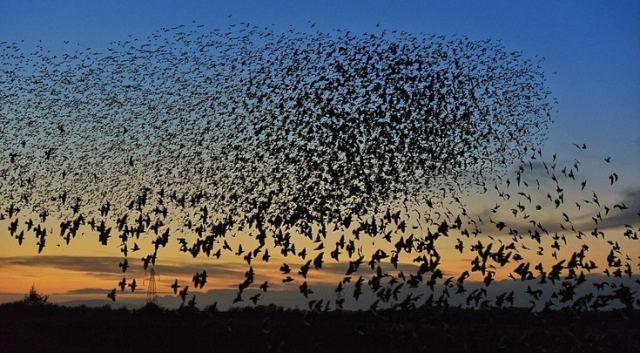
(306, 146)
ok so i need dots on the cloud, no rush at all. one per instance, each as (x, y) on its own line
(99, 265)
(322, 283)
(101, 274)
(617, 218)
(290, 297)
(83, 291)
(551, 219)
(95, 264)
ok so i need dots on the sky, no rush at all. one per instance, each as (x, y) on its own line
(591, 47)
(591, 51)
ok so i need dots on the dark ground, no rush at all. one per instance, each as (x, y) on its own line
(50, 328)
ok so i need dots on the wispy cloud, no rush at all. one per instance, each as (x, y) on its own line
(291, 298)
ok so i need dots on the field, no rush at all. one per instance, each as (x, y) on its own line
(52, 328)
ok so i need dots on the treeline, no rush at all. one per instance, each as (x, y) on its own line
(39, 326)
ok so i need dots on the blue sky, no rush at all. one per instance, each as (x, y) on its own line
(592, 48)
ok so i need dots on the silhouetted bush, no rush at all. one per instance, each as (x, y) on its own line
(35, 298)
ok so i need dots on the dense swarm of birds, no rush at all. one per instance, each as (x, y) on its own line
(338, 123)
(296, 138)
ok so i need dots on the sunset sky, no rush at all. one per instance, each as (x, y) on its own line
(591, 51)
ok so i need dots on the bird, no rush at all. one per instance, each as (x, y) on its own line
(133, 285)
(254, 299)
(175, 287)
(264, 286)
(112, 295)
(122, 284)
(183, 293)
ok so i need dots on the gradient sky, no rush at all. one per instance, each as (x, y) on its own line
(591, 50)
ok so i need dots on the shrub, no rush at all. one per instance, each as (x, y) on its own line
(35, 298)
